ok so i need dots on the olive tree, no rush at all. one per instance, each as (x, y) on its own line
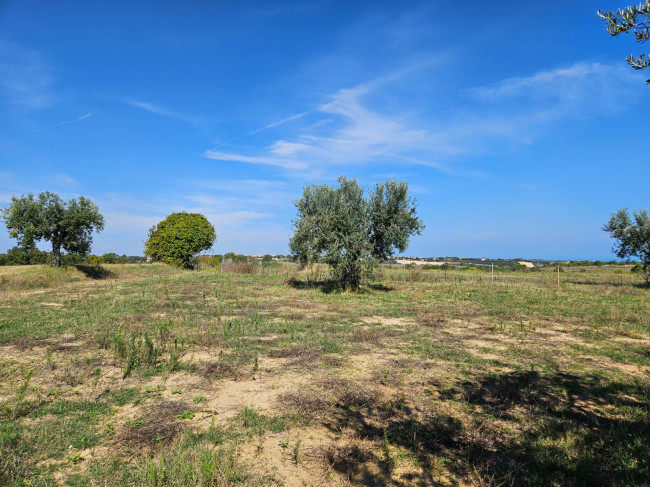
(632, 234)
(67, 225)
(634, 19)
(179, 237)
(351, 232)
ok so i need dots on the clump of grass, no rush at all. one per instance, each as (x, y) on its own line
(257, 423)
(350, 393)
(240, 268)
(431, 320)
(347, 458)
(134, 349)
(158, 425)
(304, 401)
(296, 451)
(20, 394)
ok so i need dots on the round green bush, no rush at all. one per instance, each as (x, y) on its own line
(179, 237)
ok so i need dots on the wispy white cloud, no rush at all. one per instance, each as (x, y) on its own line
(285, 163)
(165, 112)
(513, 111)
(275, 124)
(242, 184)
(26, 80)
(63, 180)
(360, 136)
(83, 117)
(577, 90)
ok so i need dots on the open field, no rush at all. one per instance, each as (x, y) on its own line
(135, 375)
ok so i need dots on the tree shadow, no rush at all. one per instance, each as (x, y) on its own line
(330, 286)
(380, 287)
(573, 436)
(325, 286)
(560, 429)
(95, 272)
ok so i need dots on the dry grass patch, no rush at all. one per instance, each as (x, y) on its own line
(307, 401)
(159, 424)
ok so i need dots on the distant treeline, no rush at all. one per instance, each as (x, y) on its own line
(502, 264)
(19, 256)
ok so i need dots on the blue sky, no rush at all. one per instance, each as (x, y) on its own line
(519, 126)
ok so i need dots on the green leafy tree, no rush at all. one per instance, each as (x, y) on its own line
(352, 233)
(632, 234)
(67, 225)
(179, 237)
(634, 19)
(20, 256)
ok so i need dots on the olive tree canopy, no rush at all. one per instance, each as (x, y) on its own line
(65, 224)
(179, 237)
(632, 235)
(636, 20)
(350, 232)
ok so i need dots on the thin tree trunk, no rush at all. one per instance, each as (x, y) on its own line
(56, 253)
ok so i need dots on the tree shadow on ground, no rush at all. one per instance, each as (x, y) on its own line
(325, 286)
(523, 428)
(95, 272)
(380, 287)
(330, 286)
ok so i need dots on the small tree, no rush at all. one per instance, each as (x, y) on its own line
(634, 19)
(632, 235)
(179, 237)
(68, 225)
(351, 233)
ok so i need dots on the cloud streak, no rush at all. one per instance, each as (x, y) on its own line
(349, 130)
(25, 78)
(164, 112)
(83, 117)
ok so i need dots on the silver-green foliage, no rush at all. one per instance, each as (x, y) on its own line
(632, 234)
(65, 224)
(634, 19)
(351, 232)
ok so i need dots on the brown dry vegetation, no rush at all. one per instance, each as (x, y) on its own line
(147, 375)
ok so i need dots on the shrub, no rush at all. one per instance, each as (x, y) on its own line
(179, 237)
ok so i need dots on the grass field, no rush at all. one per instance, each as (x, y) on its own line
(132, 375)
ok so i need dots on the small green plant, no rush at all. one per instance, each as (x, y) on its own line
(155, 390)
(49, 360)
(20, 395)
(198, 399)
(134, 349)
(97, 373)
(134, 423)
(284, 443)
(187, 414)
(296, 451)
(388, 459)
(75, 458)
(177, 391)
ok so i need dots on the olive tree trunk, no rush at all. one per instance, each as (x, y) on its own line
(56, 251)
